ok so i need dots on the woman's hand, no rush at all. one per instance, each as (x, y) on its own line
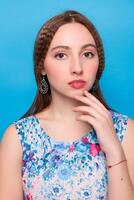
(95, 113)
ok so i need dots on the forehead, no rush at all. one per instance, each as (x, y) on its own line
(72, 34)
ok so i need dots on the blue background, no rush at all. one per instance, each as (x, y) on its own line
(19, 24)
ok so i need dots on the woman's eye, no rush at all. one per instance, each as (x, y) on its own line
(60, 56)
(88, 54)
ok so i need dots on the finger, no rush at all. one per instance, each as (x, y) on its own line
(93, 98)
(87, 110)
(90, 103)
(89, 119)
(106, 112)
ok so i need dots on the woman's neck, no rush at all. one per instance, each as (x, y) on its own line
(60, 113)
(60, 109)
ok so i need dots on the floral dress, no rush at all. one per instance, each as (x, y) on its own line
(57, 170)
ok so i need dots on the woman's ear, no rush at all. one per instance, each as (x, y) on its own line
(43, 72)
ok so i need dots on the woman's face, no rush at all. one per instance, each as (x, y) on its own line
(72, 55)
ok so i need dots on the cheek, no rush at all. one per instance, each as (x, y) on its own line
(92, 68)
(52, 71)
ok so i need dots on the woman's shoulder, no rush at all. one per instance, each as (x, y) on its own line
(118, 116)
(123, 123)
(120, 122)
(122, 119)
(10, 133)
(12, 128)
(11, 159)
(24, 127)
(18, 130)
(23, 120)
(10, 144)
(129, 136)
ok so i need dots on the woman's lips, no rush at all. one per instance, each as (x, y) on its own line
(77, 84)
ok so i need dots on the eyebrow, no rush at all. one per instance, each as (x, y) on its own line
(67, 47)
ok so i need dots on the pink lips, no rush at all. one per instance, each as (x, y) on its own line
(77, 84)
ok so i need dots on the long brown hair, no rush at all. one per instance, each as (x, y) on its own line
(42, 43)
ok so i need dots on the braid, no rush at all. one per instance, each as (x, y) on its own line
(44, 39)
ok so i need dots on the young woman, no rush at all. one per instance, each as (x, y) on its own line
(70, 145)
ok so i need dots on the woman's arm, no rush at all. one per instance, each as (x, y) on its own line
(128, 146)
(10, 166)
(121, 177)
(120, 185)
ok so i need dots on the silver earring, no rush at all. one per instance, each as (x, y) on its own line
(43, 86)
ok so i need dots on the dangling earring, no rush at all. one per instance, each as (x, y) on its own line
(94, 87)
(43, 86)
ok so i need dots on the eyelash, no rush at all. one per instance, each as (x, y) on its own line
(57, 54)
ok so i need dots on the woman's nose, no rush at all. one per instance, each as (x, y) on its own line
(76, 66)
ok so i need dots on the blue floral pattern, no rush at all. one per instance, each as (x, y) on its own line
(57, 170)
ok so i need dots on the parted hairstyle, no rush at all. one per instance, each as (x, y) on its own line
(41, 46)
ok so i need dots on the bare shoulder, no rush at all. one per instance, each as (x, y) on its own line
(128, 146)
(11, 150)
(10, 165)
(11, 140)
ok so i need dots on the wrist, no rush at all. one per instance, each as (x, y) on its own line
(115, 164)
(115, 156)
